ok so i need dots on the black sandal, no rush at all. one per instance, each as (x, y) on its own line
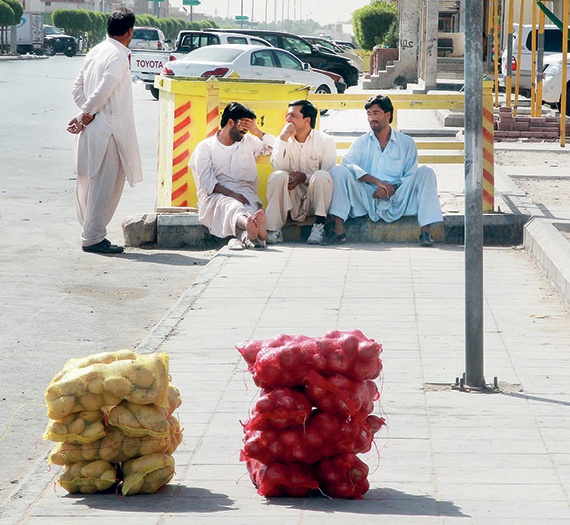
(335, 238)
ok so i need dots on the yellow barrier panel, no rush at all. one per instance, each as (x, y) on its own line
(189, 112)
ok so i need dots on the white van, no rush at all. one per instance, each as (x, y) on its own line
(552, 46)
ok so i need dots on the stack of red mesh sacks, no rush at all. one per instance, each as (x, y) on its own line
(313, 415)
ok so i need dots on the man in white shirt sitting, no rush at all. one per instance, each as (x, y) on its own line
(301, 184)
(225, 171)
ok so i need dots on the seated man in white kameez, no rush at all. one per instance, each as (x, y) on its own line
(379, 177)
(225, 172)
(301, 186)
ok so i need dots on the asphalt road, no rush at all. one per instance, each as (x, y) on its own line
(57, 302)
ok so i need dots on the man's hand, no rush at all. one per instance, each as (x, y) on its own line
(77, 124)
(295, 178)
(384, 190)
(249, 124)
(287, 132)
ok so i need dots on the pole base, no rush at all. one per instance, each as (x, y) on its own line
(487, 389)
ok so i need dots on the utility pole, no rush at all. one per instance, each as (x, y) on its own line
(474, 375)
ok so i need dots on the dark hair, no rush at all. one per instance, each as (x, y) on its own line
(120, 21)
(383, 102)
(307, 110)
(235, 111)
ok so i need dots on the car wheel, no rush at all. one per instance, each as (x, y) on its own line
(323, 90)
(49, 50)
(154, 92)
(70, 52)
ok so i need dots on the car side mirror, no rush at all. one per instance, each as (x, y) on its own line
(306, 66)
(168, 41)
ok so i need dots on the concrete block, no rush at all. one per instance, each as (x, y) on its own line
(140, 229)
(183, 230)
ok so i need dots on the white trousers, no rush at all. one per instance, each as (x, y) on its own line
(97, 197)
(301, 202)
(416, 196)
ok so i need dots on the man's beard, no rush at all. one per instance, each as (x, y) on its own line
(235, 134)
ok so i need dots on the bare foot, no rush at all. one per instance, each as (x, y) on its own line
(260, 221)
(251, 229)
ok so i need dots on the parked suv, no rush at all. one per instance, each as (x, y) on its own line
(56, 41)
(149, 38)
(552, 46)
(188, 40)
(308, 53)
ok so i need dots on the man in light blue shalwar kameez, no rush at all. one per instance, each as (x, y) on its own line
(379, 177)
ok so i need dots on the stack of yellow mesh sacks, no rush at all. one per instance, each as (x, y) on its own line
(111, 416)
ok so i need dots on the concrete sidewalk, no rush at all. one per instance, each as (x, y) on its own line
(446, 457)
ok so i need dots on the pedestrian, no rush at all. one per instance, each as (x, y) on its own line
(225, 171)
(379, 177)
(301, 184)
(106, 148)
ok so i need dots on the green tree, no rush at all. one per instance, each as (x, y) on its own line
(18, 11)
(7, 16)
(75, 22)
(373, 23)
(98, 28)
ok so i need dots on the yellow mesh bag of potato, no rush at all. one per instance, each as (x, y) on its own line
(79, 427)
(143, 380)
(88, 477)
(100, 358)
(145, 475)
(115, 447)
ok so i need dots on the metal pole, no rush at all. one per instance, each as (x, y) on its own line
(252, 4)
(241, 16)
(474, 194)
(564, 93)
(519, 53)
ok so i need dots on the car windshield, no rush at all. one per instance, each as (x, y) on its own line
(213, 54)
(145, 34)
(50, 30)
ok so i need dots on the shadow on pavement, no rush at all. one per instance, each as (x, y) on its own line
(172, 259)
(171, 499)
(377, 502)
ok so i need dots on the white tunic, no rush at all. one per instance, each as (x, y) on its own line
(103, 88)
(233, 167)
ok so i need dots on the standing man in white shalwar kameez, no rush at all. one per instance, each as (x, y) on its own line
(225, 170)
(301, 184)
(106, 148)
(379, 177)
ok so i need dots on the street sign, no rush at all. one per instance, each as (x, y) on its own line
(191, 2)
(241, 18)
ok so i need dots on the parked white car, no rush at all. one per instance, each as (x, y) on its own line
(552, 46)
(552, 83)
(249, 62)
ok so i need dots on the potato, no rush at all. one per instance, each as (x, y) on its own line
(95, 469)
(60, 407)
(56, 427)
(142, 376)
(131, 447)
(93, 432)
(117, 386)
(142, 396)
(150, 417)
(91, 401)
(111, 400)
(95, 386)
(92, 416)
(121, 416)
(73, 387)
(77, 426)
